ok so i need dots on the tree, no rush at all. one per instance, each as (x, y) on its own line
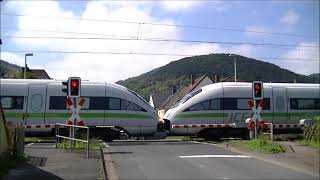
(29, 75)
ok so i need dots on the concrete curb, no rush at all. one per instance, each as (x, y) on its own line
(256, 156)
(109, 169)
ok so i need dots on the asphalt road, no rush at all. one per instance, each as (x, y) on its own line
(188, 160)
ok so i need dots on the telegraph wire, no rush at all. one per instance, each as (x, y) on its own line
(141, 53)
(132, 38)
(163, 24)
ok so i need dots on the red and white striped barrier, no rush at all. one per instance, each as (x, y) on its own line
(37, 126)
(287, 126)
(75, 112)
(203, 126)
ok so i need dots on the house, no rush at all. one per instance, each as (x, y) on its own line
(38, 73)
(177, 94)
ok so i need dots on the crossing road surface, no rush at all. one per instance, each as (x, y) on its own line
(188, 160)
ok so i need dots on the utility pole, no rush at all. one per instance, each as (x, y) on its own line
(235, 69)
(235, 66)
(25, 64)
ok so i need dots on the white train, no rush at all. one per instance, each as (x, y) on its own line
(221, 109)
(39, 104)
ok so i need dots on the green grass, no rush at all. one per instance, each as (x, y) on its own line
(260, 145)
(65, 144)
(311, 143)
(183, 138)
(7, 164)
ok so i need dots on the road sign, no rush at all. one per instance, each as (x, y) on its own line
(257, 90)
(256, 115)
(75, 112)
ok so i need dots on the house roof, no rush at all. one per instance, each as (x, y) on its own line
(158, 99)
(40, 73)
(174, 98)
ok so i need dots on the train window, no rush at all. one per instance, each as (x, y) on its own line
(127, 105)
(141, 98)
(7, 102)
(187, 97)
(114, 103)
(317, 103)
(242, 104)
(215, 104)
(202, 106)
(229, 103)
(304, 103)
(12, 102)
(36, 102)
(58, 103)
(97, 103)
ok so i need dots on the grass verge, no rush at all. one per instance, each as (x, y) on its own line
(260, 145)
(312, 143)
(7, 164)
(182, 138)
(65, 144)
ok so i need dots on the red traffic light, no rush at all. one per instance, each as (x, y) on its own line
(257, 87)
(257, 90)
(74, 83)
(74, 87)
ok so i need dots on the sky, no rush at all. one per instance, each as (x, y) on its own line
(106, 37)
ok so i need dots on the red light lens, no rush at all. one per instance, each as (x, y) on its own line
(74, 83)
(257, 87)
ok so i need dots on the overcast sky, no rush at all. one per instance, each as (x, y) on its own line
(278, 22)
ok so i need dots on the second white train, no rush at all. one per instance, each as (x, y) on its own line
(221, 109)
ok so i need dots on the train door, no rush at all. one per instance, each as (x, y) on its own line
(36, 104)
(280, 107)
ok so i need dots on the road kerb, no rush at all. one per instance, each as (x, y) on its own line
(111, 173)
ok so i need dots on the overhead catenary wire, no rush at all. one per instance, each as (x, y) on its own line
(141, 53)
(164, 24)
(132, 38)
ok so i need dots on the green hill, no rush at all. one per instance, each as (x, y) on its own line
(177, 73)
(8, 70)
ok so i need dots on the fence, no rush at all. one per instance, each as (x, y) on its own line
(11, 138)
(72, 137)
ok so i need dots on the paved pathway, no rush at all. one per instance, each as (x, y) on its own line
(48, 163)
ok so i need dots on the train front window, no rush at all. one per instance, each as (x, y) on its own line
(187, 97)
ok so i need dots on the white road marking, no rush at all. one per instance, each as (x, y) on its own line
(215, 156)
(196, 142)
(29, 144)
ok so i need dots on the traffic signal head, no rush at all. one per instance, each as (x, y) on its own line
(257, 90)
(74, 87)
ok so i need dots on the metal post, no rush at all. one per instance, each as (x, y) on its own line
(25, 66)
(255, 123)
(56, 126)
(74, 120)
(235, 69)
(88, 135)
(271, 131)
